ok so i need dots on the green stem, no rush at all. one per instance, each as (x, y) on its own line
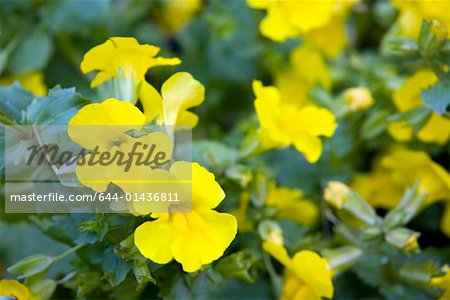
(69, 251)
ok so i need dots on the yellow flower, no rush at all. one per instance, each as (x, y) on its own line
(193, 238)
(179, 93)
(307, 68)
(282, 125)
(413, 12)
(15, 289)
(313, 19)
(307, 275)
(443, 282)
(291, 204)
(407, 97)
(32, 82)
(176, 14)
(125, 54)
(358, 98)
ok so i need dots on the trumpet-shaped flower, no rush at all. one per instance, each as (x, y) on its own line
(178, 93)
(282, 125)
(16, 290)
(307, 275)
(31, 81)
(193, 238)
(290, 204)
(407, 97)
(125, 54)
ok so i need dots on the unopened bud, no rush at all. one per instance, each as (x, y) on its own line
(358, 98)
(336, 194)
(403, 238)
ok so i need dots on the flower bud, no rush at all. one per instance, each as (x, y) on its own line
(271, 231)
(358, 98)
(403, 238)
(342, 258)
(31, 265)
(336, 194)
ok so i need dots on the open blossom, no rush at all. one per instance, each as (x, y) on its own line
(310, 19)
(125, 54)
(282, 125)
(194, 238)
(307, 275)
(407, 97)
(16, 290)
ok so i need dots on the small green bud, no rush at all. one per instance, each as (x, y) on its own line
(31, 265)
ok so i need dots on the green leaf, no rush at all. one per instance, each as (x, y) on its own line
(438, 96)
(214, 155)
(237, 265)
(115, 268)
(32, 54)
(13, 101)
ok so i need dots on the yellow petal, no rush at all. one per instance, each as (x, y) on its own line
(180, 92)
(400, 131)
(276, 25)
(445, 221)
(15, 289)
(295, 289)
(101, 124)
(436, 130)
(309, 145)
(201, 237)
(278, 252)
(154, 240)
(408, 95)
(151, 102)
(312, 270)
(206, 192)
(260, 4)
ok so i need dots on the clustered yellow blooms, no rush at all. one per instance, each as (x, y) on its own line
(307, 274)
(407, 97)
(443, 282)
(413, 12)
(399, 169)
(16, 290)
(193, 238)
(312, 20)
(283, 124)
(31, 81)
